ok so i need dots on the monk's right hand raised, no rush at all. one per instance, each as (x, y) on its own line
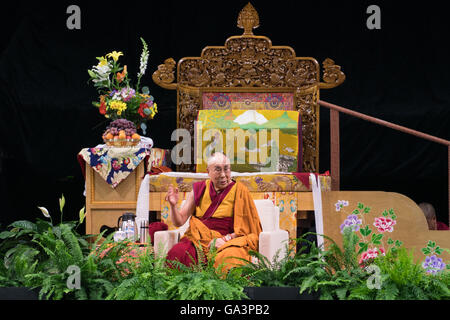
(172, 195)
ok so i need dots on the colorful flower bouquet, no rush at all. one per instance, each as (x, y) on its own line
(118, 98)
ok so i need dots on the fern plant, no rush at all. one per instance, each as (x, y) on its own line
(145, 281)
(330, 273)
(38, 255)
(337, 271)
(405, 279)
(287, 271)
(202, 281)
(154, 278)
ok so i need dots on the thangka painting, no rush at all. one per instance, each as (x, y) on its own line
(254, 140)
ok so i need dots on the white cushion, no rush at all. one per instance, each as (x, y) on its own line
(273, 244)
(269, 215)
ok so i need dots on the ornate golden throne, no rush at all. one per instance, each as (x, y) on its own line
(249, 65)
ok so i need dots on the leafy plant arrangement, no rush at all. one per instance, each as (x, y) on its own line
(145, 282)
(378, 273)
(333, 273)
(288, 271)
(366, 267)
(329, 274)
(43, 255)
(402, 278)
(336, 271)
(153, 278)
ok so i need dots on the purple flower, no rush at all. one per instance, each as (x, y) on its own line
(433, 264)
(179, 180)
(127, 93)
(352, 221)
(258, 180)
(340, 204)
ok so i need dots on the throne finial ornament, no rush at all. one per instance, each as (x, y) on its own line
(248, 19)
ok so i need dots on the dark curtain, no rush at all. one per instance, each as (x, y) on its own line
(398, 73)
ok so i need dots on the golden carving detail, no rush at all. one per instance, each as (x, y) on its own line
(165, 75)
(332, 75)
(307, 105)
(188, 106)
(248, 19)
(248, 62)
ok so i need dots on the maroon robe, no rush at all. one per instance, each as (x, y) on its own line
(184, 251)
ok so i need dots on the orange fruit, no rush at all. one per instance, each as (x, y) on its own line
(109, 136)
(135, 136)
(122, 134)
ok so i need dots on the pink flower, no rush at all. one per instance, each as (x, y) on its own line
(371, 254)
(115, 164)
(384, 224)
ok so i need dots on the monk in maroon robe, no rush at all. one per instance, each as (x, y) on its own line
(222, 212)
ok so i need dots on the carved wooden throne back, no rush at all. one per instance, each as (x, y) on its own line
(251, 64)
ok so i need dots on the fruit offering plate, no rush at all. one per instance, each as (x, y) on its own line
(121, 142)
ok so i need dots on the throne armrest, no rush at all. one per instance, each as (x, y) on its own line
(164, 241)
(273, 244)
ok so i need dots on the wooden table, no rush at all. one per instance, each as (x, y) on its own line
(105, 204)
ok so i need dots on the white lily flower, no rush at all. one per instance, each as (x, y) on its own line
(82, 214)
(44, 211)
(102, 72)
(62, 202)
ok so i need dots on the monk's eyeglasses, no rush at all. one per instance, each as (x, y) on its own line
(219, 169)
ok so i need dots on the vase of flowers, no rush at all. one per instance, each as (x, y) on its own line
(118, 98)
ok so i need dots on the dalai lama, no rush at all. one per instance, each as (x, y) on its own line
(222, 213)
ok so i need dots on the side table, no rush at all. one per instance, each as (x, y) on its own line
(104, 205)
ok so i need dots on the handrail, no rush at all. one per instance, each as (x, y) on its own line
(334, 136)
(384, 123)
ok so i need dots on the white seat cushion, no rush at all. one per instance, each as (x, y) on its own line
(268, 214)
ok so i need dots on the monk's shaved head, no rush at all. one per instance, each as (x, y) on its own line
(218, 158)
(219, 170)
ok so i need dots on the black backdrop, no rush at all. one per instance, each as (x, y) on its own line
(399, 73)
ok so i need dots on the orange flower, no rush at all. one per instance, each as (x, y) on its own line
(121, 75)
(102, 108)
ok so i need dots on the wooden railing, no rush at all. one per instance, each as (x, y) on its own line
(334, 140)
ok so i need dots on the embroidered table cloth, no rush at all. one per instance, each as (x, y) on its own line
(113, 164)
